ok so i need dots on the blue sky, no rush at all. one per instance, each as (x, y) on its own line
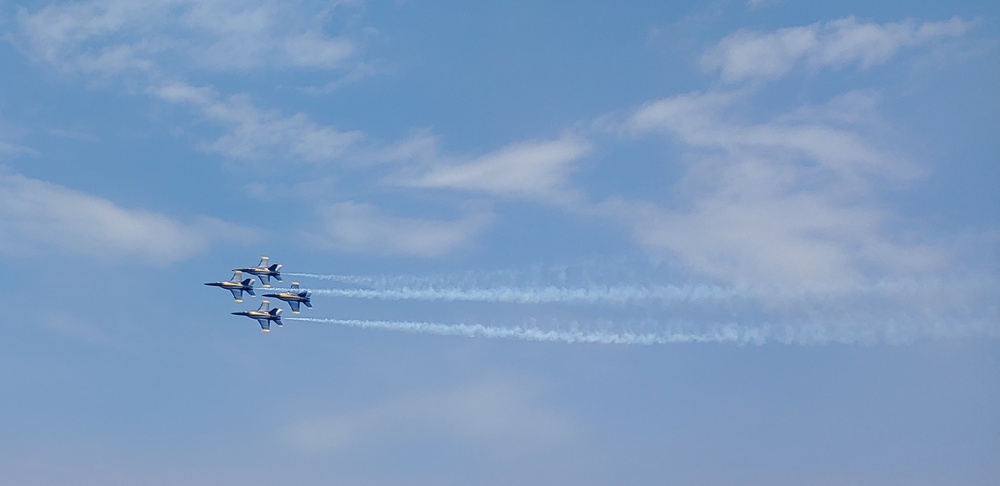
(795, 204)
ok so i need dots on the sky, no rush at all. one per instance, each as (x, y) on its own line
(724, 242)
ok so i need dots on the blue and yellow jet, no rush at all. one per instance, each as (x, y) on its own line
(294, 297)
(263, 271)
(236, 286)
(264, 315)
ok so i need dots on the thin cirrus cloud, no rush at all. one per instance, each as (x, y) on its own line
(252, 133)
(747, 54)
(42, 217)
(798, 196)
(504, 417)
(782, 200)
(526, 170)
(703, 120)
(362, 227)
(115, 36)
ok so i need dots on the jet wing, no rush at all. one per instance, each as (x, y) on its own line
(295, 306)
(265, 325)
(237, 294)
(265, 279)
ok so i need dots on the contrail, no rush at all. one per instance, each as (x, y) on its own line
(623, 294)
(846, 332)
(891, 310)
(351, 279)
(472, 288)
(725, 334)
(544, 295)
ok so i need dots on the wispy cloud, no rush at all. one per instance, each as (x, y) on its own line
(790, 199)
(795, 197)
(116, 36)
(11, 149)
(254, 134)
(530, 170)
(502, 416)
(361, 227)
(74, 327)
(10, 135)
(704, 120)
(755, 4)
(40, 217)
(749, 54)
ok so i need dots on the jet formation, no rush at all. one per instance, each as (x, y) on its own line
(264, 314)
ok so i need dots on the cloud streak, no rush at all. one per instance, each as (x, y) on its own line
(39, 216)
(529, 170)
(501, 416)
(113, 37)
(255, 134)
(790, 199)
(748, 55)
(362, 227)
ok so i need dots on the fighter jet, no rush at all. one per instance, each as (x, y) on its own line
(294, 297)
(263, 271)
(236, 286)
(264, 315)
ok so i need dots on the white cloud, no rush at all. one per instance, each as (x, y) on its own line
(533, 170)
(254, 134)
(504, 417)
(116, 36)
(9, 132)
(704, 120)
(748, 54)
(786, 200)
(315, 50)
(419, 147)
(72, 326)
(359, 72)
(360, 227)
(39, 217)
(755, 4)
(12, 149)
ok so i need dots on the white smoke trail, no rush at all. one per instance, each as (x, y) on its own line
(543, 295)
(860, 331)
(473, 288)
(725, 334)
(351, 279)
(893, 311)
